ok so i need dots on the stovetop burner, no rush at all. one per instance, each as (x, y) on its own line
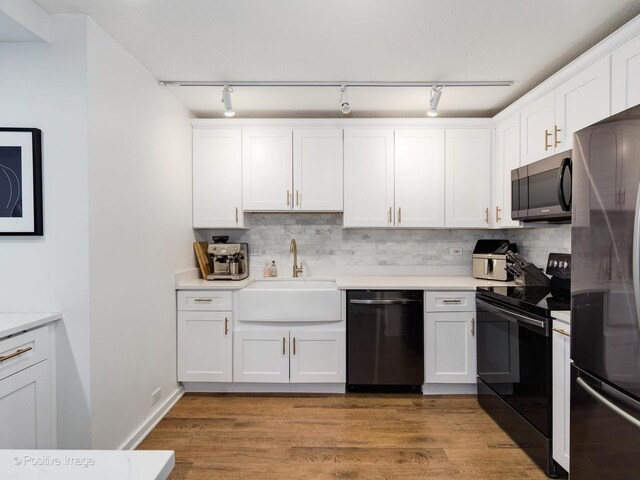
(540, 300)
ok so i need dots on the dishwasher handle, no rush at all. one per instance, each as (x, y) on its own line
(387, 301)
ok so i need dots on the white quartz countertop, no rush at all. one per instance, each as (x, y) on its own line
(11, 323)
(388, 282)
(562, 315)
(85, 464)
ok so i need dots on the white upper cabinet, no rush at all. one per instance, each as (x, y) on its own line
(580, 101)
(468, 178)
(537, 121)
(507, 158)
(267, 169)
(419, 178)
(317, 169)
(368, 177)
(625, 76)
(217, 178)
(548, 124)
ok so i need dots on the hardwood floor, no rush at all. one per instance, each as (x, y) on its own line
(274, 436)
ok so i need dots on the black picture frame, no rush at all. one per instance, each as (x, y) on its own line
(21, 214)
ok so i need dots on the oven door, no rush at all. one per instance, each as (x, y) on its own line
(514, 360)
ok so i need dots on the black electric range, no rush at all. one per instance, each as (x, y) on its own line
(514, 359)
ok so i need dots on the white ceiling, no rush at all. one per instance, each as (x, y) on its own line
(354, 40)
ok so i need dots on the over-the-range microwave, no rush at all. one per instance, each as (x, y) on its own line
(541, 191)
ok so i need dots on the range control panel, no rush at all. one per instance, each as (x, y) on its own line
(559, 265)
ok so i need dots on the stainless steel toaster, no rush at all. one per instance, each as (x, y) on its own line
(490, 259)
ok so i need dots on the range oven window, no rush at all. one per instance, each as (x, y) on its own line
(514, 360)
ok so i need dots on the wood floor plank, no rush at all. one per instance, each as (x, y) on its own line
(372, 437)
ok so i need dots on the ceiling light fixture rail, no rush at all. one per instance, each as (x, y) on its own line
(222, 83)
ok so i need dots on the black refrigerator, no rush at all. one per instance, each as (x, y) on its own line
(605, 300)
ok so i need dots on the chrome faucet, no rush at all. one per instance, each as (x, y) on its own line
(293, 247)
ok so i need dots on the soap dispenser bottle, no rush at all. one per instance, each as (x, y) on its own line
(274, 269)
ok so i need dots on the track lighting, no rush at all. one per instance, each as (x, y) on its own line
(226, 99)
(434, 99)
(344, 100)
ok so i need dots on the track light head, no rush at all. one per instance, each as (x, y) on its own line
(344, 100)
(226, 100)
(434, 99)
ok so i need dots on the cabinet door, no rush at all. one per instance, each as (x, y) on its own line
(217, 178)
(450, 348)
(267, 169)
(536, 126)
(317, 169)
(318, 357)
(582, 100)
(204, 346)
(561, 385)
(368, 177)
(26, 410)
(261, 356)
(625, 76)
(468, 177)
(507, 158)
(419, 178)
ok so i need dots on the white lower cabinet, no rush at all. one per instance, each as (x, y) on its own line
(296, 355)
(27, 390)
(205, 336)
(204, 346)
(561, 387)
(450, 344)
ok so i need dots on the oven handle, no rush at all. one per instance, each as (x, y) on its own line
(521, 318)
(564, 204)
(390, 301)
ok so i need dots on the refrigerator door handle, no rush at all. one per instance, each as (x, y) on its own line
(635, 257)
(608, 403)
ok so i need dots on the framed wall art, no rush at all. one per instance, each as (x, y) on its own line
(20, 181)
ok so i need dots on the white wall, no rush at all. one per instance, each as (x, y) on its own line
(45, 86)
(140, 223)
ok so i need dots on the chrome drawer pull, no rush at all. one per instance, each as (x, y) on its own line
(20, 351)
(203, 300)
(451, 300)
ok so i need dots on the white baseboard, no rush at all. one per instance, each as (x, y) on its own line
(450, 389)
(152, 421)
(264, 387)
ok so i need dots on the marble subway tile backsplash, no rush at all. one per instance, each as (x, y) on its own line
(535, 244)
(326, 248)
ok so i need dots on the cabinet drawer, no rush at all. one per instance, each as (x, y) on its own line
(450, 301)
(203, 300)
(23, 350)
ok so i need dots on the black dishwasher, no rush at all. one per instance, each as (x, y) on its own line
(385, 340)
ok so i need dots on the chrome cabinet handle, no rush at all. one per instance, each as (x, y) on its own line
(451, 300)
(556, 142)
(208, 300)
(297, 198)
(283, 348)
(498, 210)
(237, 213)
(288, 198)
(390, 215)
(294, 346)
(486, 215)
(473, 327)
(226, 326)
(20, 351)
(399, 215)
(547, 134)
